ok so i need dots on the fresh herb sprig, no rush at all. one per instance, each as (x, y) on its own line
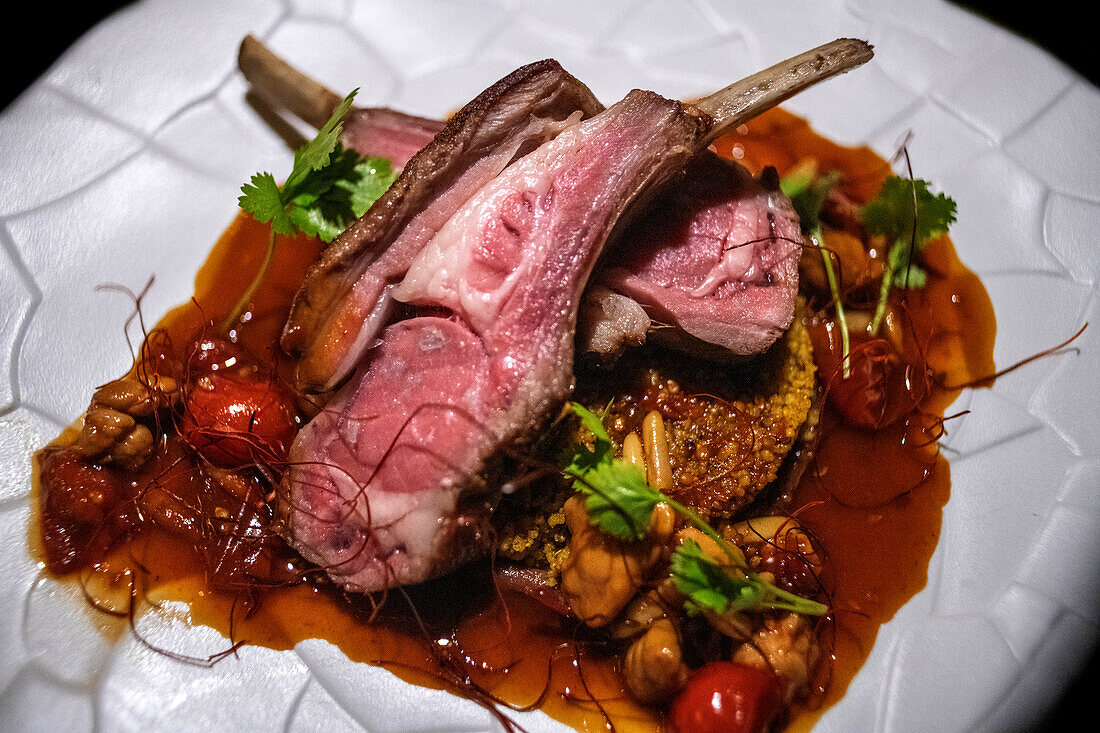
(807, 192)
(905, 212)
(710, 586)
(620, 503)
(328, 187)
(909, 215)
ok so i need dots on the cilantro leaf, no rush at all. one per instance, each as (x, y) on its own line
(328, 186)
(264, 201)
(707, 584)
(327, 200)
(618, 499)
(905, 209)
(807, 193)
(591, 422)
(616, 496)
(906, 273)
(710, 586)
(317, 153)
(909, 215)
(372, 177)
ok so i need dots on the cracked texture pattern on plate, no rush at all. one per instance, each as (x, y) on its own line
(124, 161)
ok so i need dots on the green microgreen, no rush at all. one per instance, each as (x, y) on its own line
(807, 192)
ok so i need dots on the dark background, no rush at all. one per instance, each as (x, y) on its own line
(50, 30)
(1056, 26)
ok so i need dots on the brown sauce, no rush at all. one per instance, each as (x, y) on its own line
(877, 520)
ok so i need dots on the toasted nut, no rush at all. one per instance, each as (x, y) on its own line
(632, 451)
(102, 427)
(132, 396)
(659, 468)
(710, 547)
(662, 524)
(760, 529)
(134, 449)
(653, 667)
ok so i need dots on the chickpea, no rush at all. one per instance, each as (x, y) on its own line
(641, 613)
(602, 574)
(653, 667)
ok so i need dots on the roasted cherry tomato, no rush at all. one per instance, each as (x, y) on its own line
(882, 385)
(233, 418)
(727, 697)
(82, 507)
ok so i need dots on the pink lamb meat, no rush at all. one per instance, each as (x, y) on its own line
(715, 257)
(393, 482)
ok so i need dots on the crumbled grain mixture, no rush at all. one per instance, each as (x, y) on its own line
(729, 428)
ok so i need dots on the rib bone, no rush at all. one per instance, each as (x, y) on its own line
(741, 101)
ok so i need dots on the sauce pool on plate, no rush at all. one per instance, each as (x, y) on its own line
(872, 499)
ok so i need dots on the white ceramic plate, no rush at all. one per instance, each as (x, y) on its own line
(124, 161)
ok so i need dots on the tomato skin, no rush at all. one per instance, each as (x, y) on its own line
(882, 385)
(234, 419)
(84, 507)
(727, 697)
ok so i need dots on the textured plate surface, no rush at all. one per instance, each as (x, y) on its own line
(124, 161)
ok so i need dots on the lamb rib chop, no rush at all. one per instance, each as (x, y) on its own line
(345, 300)
(739, 238)
(713, 259)
(394, 481)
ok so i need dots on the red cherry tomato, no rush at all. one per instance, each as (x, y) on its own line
(232, 419)
(82, 508)
(727, 697)
(882, 385)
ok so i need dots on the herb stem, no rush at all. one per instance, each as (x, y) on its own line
(735, 555)
(883, 297)
(246, 298)
(838, 302)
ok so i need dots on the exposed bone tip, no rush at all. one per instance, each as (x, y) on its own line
(750, 96)
(279, 82)
(250, 46)
(863, 49)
